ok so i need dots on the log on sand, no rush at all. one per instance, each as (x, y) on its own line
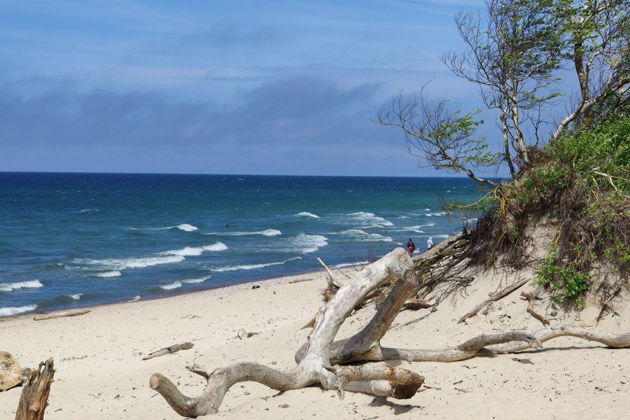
(61, 314)
(321, 361)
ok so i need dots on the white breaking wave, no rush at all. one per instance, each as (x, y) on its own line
(359, 234)
(307, 214)
(109, 274)
(135, 298)
(352, 264)
(90, 211)
(196, 251)
(185, 227)
(369, 220)
(473, 220)
(76, 297)
(253, 266)
(199, 280)
(439, 213)
(171, 286)
(13, 310)
(309, 243)
(442, 236)
(31, 284)
(115, 264)
(266, 232)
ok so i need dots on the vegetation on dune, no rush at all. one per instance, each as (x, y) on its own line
(576, 176)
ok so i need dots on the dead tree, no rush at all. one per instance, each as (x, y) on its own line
(34, 397)
(321, 361)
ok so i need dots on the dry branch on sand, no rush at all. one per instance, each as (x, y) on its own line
(61, 314)
(168, 350)
(321, 360)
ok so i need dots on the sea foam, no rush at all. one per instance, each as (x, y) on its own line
(31, 284)
(253, 266)
(199, 280)
(171, 286)
(369, 220)
(186, 227)
(76, 297)
(109, 274)
(307, 214)
(14, 310)
(266, 232)
(359, 234)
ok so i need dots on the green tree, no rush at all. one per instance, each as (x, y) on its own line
(515, 52)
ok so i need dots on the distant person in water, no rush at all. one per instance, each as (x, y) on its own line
(430, 243)
(410, 247)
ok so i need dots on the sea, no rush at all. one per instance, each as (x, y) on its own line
(72, 240)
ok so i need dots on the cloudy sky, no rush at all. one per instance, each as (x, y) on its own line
(221, 86)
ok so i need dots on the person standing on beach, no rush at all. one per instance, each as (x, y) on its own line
(410, 247)
(430, 243)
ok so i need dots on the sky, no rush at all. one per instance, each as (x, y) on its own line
(219, 86)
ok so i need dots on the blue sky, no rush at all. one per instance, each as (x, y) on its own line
(240, 87)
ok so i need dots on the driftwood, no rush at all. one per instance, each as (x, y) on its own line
(494, 297)
(530, 308)
(415, 304)
(168, 350)
(321, 361)
(61, 314)
(315, 368)
(34, 397)
(332, 280)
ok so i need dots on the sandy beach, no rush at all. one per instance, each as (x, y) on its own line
(100, 373)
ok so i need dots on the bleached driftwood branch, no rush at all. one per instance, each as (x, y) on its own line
(315, 367)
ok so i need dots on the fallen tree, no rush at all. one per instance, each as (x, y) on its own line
(321, 361)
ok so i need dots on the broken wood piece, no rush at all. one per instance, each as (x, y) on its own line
(332, 280)
(168, 350)
(244, 334)
(309, 324)
(415, 304)
(495, 296)
(34, 398)
(61, 314)
(530, 308)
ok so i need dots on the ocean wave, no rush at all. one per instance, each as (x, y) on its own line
(14, 310)
(359, 234)
(171, 286)
(472, 220)
(135, 298)
(352, 264)
(109, 274)
(308, 243)
(90, 211)
(369, 220)
(196, 251)
(199, 280)
(185, 227)
(116, 265)
(266, 232)
(439, 213)
(31, 284)
(442, 236)
(307, 214)
(119, 264)
(253, 266)
(76, 296)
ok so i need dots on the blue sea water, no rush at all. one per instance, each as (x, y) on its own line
(70, 240)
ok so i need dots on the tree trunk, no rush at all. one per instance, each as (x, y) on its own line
(34, 397)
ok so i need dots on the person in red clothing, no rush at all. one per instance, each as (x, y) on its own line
(410, 247)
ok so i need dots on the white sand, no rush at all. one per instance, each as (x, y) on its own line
(100, 374)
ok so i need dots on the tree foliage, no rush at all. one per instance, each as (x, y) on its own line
(517, 52)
